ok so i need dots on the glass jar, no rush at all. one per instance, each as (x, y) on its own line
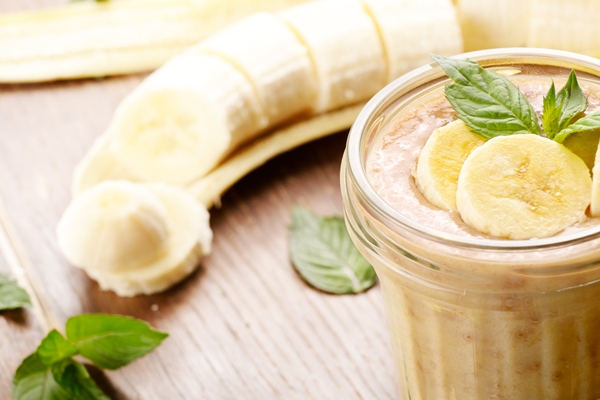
(474, 317)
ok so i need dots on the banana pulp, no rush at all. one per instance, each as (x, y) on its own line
(134, 238)
(294, 75)
(257, 74)
(522, 187)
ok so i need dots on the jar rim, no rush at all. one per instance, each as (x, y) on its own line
(378, 104)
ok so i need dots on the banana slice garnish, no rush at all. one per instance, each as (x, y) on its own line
(523, 186)
(441, 160)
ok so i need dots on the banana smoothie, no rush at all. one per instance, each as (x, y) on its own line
(479, 308)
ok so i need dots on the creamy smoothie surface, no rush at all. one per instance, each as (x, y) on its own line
(394, 153)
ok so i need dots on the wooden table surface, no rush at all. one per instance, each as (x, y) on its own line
(244, 326)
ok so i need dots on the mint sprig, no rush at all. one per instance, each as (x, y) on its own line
(588, 123)
(109, 341)
(324, 255)
(486, 101)
(491, 105)
(12, 296)
(560, 108)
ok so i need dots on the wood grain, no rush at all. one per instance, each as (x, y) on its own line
(244, 326)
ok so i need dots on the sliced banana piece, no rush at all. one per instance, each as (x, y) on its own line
(565, 25)
(183, 119)
(98, 165)
(412, 29)
(134, 238)
(345, 49)
(272, 58)
(522, 187)
(492, 24)
(441, 160)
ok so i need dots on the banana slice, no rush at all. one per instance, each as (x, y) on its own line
(135, 238)
(412, 29)
(272, 58)
(522, 187)
(441, 160)
(183, 119)
(345, 49)
(98, 165)
(492, 24)
(563, 25)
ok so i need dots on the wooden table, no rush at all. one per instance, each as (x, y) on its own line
(244, 326)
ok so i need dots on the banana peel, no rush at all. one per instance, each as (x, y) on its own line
(82, 40)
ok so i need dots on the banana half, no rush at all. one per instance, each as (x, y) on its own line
(261, 73)
(523, 186)
(135, 238)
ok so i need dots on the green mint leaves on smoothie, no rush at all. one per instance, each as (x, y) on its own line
(486, 101)
(323, 254)
(588, 123)
(109, 341)
(491, 105)
(560, 108)
(12, 296)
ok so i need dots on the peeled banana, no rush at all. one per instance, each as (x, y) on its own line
(132, 237)
(523, 186)
(345, 48)
(182, 120)
(272, 59)
(98, 39)
(407, 27)
(492, 24)
(552, 24)
(185, 118)
(269, 83)
(565, 25)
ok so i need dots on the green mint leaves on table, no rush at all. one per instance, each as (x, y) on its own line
(491, 105)
(109, 341)
(12, 296)
(323, 254)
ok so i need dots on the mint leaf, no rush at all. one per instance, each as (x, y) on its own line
(324, 255)
(588, 123)
(35, 381)
(55, 348)
(12, 296)
(486, 101)
(561, 108)
(112, 341)
(74, 379)
(552, 112)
